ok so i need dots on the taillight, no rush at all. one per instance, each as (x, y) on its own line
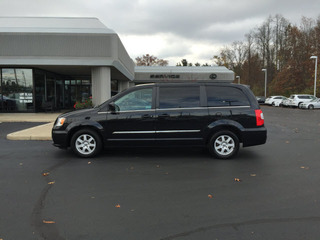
(259, 117)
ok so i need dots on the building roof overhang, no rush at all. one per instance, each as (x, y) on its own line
(74, 43)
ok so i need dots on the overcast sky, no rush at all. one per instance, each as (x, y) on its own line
(171, 29)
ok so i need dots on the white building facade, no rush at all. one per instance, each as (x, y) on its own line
(59, 61)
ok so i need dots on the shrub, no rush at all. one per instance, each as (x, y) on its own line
(86, 104)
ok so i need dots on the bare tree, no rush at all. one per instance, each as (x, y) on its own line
(150, 60)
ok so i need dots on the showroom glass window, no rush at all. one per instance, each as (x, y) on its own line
(222, 96)
(179, 97)
(16, 90)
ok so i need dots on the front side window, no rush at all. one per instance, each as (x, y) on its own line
(137, 100)
(179, 97)
(226, 96)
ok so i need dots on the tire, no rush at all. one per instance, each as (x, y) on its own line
(299, 105)
(86, 143)
(224, 144)
(311, 107)
(273, 104)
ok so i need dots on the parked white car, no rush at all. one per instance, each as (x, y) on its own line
(285, 102)
(312, 104)
(274, 100)
(297, 99)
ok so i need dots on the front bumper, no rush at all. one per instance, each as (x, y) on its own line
(60, 138)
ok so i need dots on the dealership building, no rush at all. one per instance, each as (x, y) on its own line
(54, 62)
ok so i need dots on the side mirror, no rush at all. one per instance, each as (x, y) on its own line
(113, 108)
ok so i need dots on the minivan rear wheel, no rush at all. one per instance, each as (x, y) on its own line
(224, 144)
(86, 143)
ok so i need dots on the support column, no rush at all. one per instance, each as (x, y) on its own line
(123, 85)
(131, 84)
(101, 84)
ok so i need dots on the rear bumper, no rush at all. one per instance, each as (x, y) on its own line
(254, 136)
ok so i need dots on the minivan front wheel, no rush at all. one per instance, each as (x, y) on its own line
(224, 144)
(86, 143)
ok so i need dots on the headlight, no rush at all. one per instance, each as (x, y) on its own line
(60, 122)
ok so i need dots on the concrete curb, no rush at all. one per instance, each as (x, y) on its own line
(28, 117)
(42, 133)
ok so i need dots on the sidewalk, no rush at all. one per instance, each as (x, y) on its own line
(42, 132)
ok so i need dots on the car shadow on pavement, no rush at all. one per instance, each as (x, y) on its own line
(169, 153)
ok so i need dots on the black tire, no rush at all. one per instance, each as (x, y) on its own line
(224, 144)
(299, 105)
(273, 104)
(311, 107)
(86, 143)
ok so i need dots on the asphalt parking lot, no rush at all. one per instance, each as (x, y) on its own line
(267, 192)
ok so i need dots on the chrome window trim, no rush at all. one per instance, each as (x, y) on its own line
(175, 109)
(147, 110)
(230, 107)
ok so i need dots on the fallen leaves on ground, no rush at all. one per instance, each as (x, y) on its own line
(48, 222)
(253, 175)
(50, 183)
(45, 174)
(237, 180)
(210, 196)
(118, 206)
(303, 167)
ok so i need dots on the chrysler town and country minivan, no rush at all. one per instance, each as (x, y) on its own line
(220, 116)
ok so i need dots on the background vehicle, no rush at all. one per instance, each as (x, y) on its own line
(261, 99)
(274, 100)
(218, 116)
(297, 99)
(285, 102)
(311, 105)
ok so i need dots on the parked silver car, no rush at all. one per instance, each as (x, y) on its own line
(312, 104)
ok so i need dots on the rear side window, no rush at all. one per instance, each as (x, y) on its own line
(226, 96)
(179, 97)
(305, 97)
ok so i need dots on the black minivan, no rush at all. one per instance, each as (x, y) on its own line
(219, 116)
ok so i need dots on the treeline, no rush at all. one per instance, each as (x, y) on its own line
(280, 47)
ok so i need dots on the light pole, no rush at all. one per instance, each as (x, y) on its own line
(265, 81)
(238, 77)
(315, 73)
